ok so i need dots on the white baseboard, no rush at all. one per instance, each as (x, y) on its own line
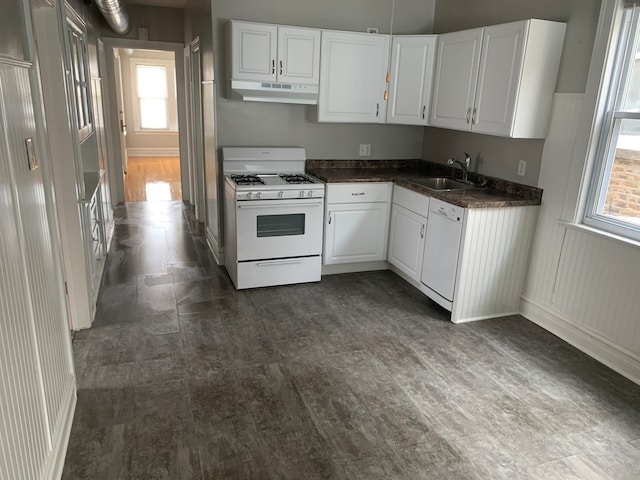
(214, 246)
(613, 356)
(355, 267)
(55, 461)
(153, 152)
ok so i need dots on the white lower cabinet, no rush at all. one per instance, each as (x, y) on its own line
(407, 231)
(470, 261)
(356, 222)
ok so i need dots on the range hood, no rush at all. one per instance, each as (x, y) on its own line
(276, 92)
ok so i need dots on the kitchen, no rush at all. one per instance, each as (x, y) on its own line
(558, 250)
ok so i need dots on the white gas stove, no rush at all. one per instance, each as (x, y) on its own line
(273, 217)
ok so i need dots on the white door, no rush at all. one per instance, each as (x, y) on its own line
(122, 121)
(253, 51)
(298, 55)
(356, 232)
(198, 133)
(412, 62)
(499, 77)
(406, 241)
(458, 60)
(353, 70)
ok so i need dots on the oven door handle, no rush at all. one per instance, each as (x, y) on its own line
(278, 262)
(278, 204)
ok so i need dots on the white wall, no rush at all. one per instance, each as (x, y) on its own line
(268, 124)
(582, 285)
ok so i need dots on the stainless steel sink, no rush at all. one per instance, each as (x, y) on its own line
(442, 183)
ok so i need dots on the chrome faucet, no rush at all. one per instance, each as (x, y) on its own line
(465, 166)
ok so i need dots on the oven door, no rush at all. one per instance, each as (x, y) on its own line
(270, 229)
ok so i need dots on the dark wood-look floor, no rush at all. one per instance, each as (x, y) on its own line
(152, 179)
(356, 377)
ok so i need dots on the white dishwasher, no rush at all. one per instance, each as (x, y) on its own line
(442, 245)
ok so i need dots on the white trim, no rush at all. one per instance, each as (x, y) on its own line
(624, 362)
(153, 152)
(214, 246)
(55, 461)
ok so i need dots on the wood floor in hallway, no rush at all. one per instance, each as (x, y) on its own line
(358, 376)
(151, 179)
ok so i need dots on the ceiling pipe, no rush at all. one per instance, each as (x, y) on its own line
(114, 13)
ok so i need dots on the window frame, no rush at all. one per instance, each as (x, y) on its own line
(172, 114)
(612, 118)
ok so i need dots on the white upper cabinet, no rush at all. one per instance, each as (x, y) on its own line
(498, 80)
(353, 68)
(298, 55)
(412, 65)
(272, 53)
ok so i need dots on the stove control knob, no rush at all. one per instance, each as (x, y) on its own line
(249, 195)
(280, 194)
(310, 194)
(302, 193)
(258, 195)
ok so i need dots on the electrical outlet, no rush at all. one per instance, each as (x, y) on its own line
(522, 168)
(365, 149)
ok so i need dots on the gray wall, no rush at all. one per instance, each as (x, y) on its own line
(163, 24)
(269, 124)
(498, 156)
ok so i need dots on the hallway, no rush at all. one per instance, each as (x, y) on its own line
(357, 377)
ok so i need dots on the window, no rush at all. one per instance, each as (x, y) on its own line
(614, 197)
(152, 97)
(79, 79)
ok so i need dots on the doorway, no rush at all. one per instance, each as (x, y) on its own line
(149, 127)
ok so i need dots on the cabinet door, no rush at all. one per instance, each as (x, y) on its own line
(457, 64)
(298, 55)
(499, 77)
(412, 61)
(253, 51)
(406, 241)
(356, 232)
(353, 69)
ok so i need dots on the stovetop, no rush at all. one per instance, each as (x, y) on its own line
(280, 180)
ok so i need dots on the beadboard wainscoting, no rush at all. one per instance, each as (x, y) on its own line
(497, 244)
(581, 286)
(37, 384)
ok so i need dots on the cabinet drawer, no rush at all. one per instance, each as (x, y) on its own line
(411, 200)
(358, 192)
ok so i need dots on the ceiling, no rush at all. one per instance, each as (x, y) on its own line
(160, 3)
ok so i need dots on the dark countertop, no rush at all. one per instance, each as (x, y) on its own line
(498, 193)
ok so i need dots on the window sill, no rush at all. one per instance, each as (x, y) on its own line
(628, 242)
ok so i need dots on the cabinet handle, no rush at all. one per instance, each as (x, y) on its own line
(273, 67)
(473, 117)
(377, 109)
(424, 107)
(330, 217)
(280, 67)
(468, 114)
(357, 194)
(422, 231)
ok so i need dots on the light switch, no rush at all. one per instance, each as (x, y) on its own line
(32, 158)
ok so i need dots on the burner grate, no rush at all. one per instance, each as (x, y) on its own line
(296, 178)
(247, 180)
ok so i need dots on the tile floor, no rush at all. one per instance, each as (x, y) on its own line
(356, 377)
